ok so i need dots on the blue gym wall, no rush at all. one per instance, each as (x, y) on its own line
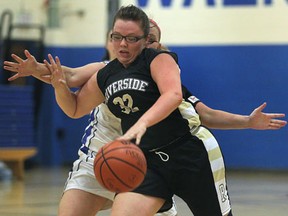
(232, 78)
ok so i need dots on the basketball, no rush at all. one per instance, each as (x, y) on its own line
(120, 166)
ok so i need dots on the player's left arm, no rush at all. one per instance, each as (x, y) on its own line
(77, 77)
(165, 72)
(258, 120)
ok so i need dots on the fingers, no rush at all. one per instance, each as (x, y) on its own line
(27, 54)
(17, 58)
(55, 69)
(48, 65)
(52, 66)
(276, 115)
(58, 62)
(55, 64)
(13, 77)
(10, 66)
(138, 139)
(126, 137)
(278, 123)
(261, 107)
(133, 133)
(129, 137)
(275, 124)
(51, 59)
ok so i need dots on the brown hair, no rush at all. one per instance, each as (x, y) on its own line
(134, 13)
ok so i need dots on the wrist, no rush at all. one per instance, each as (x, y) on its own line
(248, 122)
(40, 69)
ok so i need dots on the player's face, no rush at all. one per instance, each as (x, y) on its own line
(153, 40)
(128, 41)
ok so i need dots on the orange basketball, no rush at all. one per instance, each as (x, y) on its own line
(120, 166)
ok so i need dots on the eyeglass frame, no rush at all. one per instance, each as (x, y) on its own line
(136, 38)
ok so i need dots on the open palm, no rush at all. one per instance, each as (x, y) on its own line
(21, 67)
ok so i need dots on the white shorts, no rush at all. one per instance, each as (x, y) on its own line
(82, 177)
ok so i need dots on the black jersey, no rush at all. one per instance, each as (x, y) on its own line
(189, 97)
(130, 92)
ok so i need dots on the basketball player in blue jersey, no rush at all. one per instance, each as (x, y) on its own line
(201, 132)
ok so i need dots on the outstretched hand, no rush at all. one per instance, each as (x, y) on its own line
(57, 76)
(21, 67)
(265, 121)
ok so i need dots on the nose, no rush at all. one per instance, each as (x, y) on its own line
(123, 42)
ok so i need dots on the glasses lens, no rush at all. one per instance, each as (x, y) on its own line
(116, 37)
(131, 39)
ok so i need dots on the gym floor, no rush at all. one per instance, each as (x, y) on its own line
(252, 193)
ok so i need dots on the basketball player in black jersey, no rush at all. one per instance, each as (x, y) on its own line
(143, 88)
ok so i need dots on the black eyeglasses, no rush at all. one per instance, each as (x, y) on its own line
(128, 39)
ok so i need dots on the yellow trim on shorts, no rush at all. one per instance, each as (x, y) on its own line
(219, 175)
(214, 154)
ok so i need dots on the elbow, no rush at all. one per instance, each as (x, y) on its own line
(178, 98)
(74, 115)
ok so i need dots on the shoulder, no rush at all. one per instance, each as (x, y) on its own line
(111, 68)
(150, 54)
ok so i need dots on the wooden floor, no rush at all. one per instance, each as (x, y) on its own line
(252, 193)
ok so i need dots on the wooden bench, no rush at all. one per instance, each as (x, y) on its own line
(15, 157)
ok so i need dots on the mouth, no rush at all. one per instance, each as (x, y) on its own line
(123, 53)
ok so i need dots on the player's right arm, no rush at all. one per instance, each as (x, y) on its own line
(75, 77)
(74, 104)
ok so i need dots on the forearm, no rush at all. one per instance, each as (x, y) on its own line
(69, 75)
(163, 107)
(77, 77)
(74, 76)
(66, 100)
(218, 119)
